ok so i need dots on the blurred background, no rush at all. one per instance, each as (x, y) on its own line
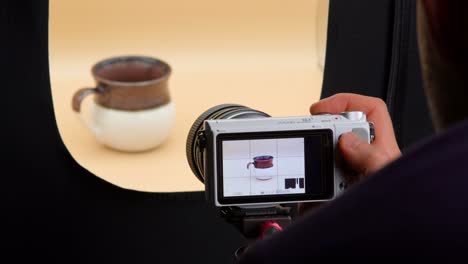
(265, 54)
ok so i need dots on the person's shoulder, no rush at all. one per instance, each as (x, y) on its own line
(447, 150)
(435, 168)
(415, 206)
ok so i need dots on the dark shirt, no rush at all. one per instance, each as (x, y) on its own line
(417, 205)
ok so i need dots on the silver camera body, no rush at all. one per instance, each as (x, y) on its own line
(239, 152)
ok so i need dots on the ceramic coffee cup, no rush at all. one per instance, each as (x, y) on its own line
(261, 162)
(132, 109)
(262, 167)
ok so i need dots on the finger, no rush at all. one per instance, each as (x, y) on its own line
(346, 102)
(375, 110)
(360, 155)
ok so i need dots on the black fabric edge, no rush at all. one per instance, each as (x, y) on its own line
(399, 67)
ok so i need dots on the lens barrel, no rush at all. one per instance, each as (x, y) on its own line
(225, 111)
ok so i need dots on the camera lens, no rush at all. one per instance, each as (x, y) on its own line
(225, 111)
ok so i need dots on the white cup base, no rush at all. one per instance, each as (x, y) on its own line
(132, 131)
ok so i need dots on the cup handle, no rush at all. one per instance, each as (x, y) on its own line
(80, 95)
(78, 98)
(250, 163)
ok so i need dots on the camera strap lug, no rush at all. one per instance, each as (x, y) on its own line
(201, 136)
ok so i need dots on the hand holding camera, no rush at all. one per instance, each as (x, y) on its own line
(363, 158)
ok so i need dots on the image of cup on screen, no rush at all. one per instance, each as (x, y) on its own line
(263, 167)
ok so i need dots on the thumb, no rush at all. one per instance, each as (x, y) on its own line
(362, 157)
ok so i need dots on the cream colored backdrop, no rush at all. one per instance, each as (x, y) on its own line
(262, 54)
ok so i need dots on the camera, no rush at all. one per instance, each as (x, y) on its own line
(249, 159)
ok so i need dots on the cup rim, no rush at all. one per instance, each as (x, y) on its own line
(148, 59)
(263, 158)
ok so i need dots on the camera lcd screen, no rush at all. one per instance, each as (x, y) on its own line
(275, 166)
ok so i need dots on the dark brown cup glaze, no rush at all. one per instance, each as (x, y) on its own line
(261, 162)
(128, 83)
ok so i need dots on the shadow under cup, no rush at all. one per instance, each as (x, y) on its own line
(133, 109)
